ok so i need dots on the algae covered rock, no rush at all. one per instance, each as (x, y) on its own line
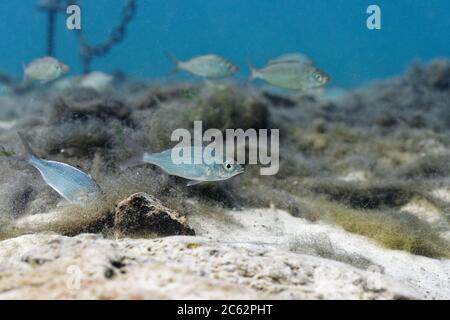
(226, 108)
(145, 215)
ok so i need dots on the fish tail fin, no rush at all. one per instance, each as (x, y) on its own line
(252, 74)
(29, 153)
(135, 160)
(175, 62)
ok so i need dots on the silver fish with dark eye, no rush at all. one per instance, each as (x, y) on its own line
(208, 66)
(208, 170)
(292, 71)
(45, 69)
(75, 186)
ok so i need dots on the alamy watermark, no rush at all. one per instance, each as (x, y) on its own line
(374, 20)
(73, 21)
(263, 147)
(74, 277)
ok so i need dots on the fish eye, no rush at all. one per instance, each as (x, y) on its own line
(228, 166)
(319, 77)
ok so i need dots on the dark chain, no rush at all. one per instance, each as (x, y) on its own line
(89, 52)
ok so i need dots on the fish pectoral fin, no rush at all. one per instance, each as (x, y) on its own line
(194, 182)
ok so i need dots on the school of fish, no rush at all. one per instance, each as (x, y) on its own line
(292, 71)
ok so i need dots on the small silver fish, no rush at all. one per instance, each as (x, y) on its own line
(45, 69)
(75, 186)
(196, 173)
(208, 66)
(291, 71)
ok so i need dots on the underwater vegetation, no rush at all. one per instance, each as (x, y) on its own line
(399, 231)
(355, 160)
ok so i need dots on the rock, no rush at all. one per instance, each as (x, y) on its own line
(97, 80)
(427, 278)
(142, 214)
(442, 194)
(228, 108)
(91, 267)
(425, 210)
(139, 215)
(250, 254)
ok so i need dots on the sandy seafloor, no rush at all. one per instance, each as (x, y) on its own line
(358, 210)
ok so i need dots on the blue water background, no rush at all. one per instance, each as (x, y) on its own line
(332, 32)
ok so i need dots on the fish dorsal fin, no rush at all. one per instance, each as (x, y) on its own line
(175, 62)
(209, 56)
(291, 57)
